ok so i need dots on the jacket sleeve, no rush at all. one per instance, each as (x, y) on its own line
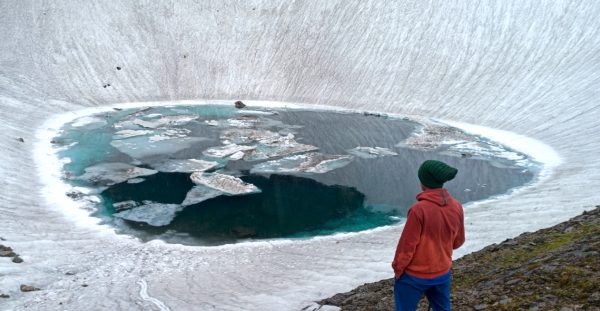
(459, 240)
(410, 238)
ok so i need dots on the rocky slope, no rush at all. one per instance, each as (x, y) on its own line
(557, 268)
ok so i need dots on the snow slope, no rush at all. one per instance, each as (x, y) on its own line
(525, 72)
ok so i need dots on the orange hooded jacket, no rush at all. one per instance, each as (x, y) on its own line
(434, 227)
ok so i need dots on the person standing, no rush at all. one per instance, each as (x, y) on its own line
(433, 229)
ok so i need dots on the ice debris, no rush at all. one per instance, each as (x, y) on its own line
(141, 146)
(154, 214)
(131, 133)
(227, 150)
(106, 174)
(97, 122)
(166, 120)
(229, 185)
(371, 152)
(185, 166)
(305, 163)
(200, 193)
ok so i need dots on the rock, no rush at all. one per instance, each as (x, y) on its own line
(594, 298)
(21, 139)
(244, 232)
(69, 273)
(28, 288)
(4, 296)
(513, 282)
(2, 239)
(5, 248)
(7, 254)
(17, 259)
(481, 306)
(84, 285)
(118, 68)
(239, 104)
(118, 109)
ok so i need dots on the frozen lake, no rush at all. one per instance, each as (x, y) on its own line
(523, 74)
(214, 174)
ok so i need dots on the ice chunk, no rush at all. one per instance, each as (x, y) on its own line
(199, 194)
(154, 214)
(245, 136)
(212, 122)
(227, 150)
(107, 174)
(123, 205)
(141, 146)
(185, 166)
(135, 180)
(169, 134)
(283, 146)
(237, 156)
(166, 120)
(371, 152)
(305, 163)
(227, 184)
(131, 133)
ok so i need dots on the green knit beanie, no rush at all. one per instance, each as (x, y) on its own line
(433, 174)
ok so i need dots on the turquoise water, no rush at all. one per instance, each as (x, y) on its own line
(345, 192)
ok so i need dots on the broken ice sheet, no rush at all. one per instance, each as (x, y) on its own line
(227, 150)
(280, 147)
(229, 185)
(371, 152)
(131, 133)
(304, 163)
(166, 120)
(185, 166)
(106, 174)
(141, 146)
(200, 193)
(154, 214)
(245, 136)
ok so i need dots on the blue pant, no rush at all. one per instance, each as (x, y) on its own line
(408, 291)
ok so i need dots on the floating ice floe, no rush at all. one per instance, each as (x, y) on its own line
(304, 163)
(107, 174)
(154, 214)
(141, 146)
(371, 152)
(432, 137)
(131, 133)
(123, 205)
(170, 134)
(229, 185)
(246, 136)
(166, 120)
(135, 180)
(200, 193)
(485, 149)
(227, 150)
(280, 147)
(185, 166)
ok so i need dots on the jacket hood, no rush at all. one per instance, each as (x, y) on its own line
(439, 196)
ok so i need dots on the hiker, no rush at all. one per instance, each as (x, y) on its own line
(434, 227)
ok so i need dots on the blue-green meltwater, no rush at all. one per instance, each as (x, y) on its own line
(215, 174)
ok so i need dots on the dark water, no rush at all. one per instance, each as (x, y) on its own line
(364, 194)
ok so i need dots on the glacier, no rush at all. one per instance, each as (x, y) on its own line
(525, 74)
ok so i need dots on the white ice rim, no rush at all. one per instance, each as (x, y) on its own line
(54, 189)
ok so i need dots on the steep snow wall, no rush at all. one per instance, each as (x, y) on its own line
(526, 67)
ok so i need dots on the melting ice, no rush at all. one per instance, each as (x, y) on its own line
(182, 169)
